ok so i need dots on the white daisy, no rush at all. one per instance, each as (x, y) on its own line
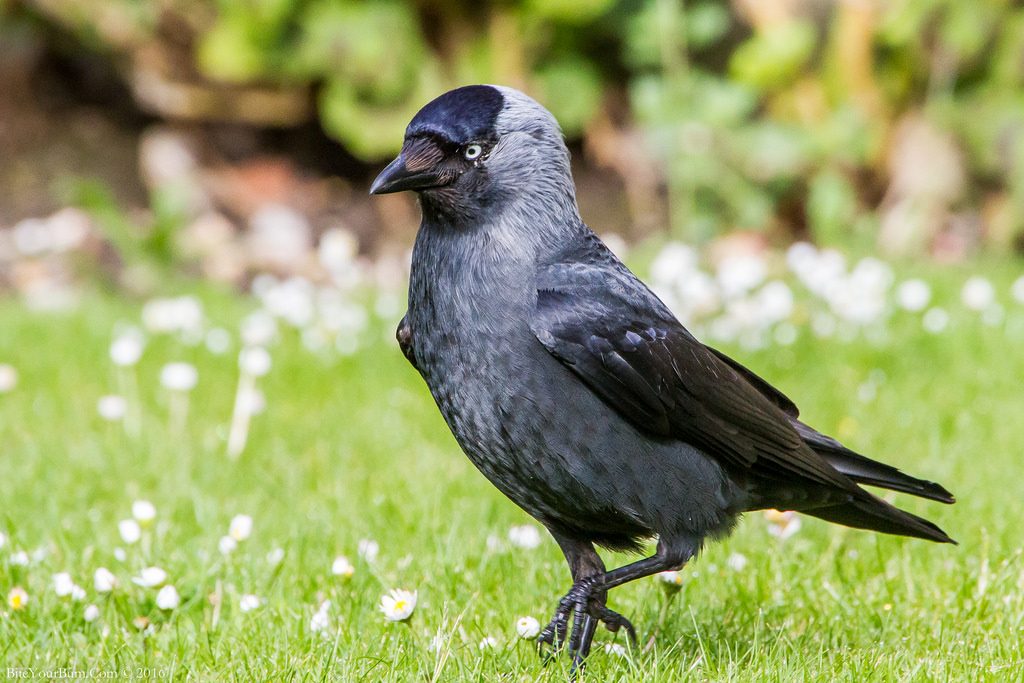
(398, 604)
(671, 581)
(130, 531)
(368, 549)
(527, 628)
(112, 407)
(62, 584)
(321, 620)
(526, 536)
(167, 598)
(143, 511)
(737, 562)
(17, 598)
(240, 527)
(8, 378)
(615, 649)
(126, 349)
(104, 580)
(342, 567)
(179, 376)
(978, 293)
(227, 545)
(782, 524)
(254, 361)
(249, 602)
(150, 577)
(913, 295)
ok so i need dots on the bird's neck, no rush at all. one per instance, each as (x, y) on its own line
(487, 274)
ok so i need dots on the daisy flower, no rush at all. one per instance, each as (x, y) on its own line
(8, 378)
(112, 407)
(527, 628)
(978, 293)
(179, 377)
(275, 557)
(249, 602)
(737, 562)
(525, 536)
(615, 649)
(17, 598)
(342, 567)
(130, 531)
(782, 525)
(126, 350)
(143, 511)
(104, 580)
(240, 527)
(398, 604)
(150, 577)
(368, 549)
(63, 586)
(321, 620)
(168, 598)
(227, 545)
(671, 581)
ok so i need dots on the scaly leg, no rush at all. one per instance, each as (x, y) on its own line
(585, 601)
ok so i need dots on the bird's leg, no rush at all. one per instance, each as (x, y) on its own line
(583, 562)
(585, 565)
(583, 591)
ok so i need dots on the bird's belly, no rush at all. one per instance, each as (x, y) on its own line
(559, 452)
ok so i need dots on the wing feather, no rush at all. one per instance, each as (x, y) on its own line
(624, 344)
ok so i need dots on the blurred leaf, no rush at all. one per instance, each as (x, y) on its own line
(228, 52)
(905, 22)
(831, 206)
(356, 42)
(772, 151)
(706, 23)
(774, 56)
(150, 247)
(569, 11)
(966, 28)
(571, 89)
(371, 129)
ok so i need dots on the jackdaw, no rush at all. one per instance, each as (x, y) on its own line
(573, 388)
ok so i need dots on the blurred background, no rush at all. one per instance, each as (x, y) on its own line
(218, 139)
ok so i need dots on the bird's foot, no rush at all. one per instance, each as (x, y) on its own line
(613, 621)
(583, 607)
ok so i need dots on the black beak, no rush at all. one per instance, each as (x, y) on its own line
(394, 178)
(416, 168)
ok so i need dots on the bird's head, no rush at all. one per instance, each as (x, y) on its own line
(478, 149)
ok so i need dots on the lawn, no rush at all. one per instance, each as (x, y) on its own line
(351, 447)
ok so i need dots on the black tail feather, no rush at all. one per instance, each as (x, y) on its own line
(875, 514)
(870, 472)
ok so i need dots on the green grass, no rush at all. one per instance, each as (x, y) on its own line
(353, 448)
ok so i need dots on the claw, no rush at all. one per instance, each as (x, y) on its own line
(613, 621)
(586, 610)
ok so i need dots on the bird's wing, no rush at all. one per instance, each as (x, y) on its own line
(404, 336)
(622, 341)
(784, 403)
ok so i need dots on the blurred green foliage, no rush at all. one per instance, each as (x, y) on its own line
(745, 105)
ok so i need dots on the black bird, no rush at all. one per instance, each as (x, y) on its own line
(573, 388)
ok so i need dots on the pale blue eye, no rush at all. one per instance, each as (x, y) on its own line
(473, 152)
